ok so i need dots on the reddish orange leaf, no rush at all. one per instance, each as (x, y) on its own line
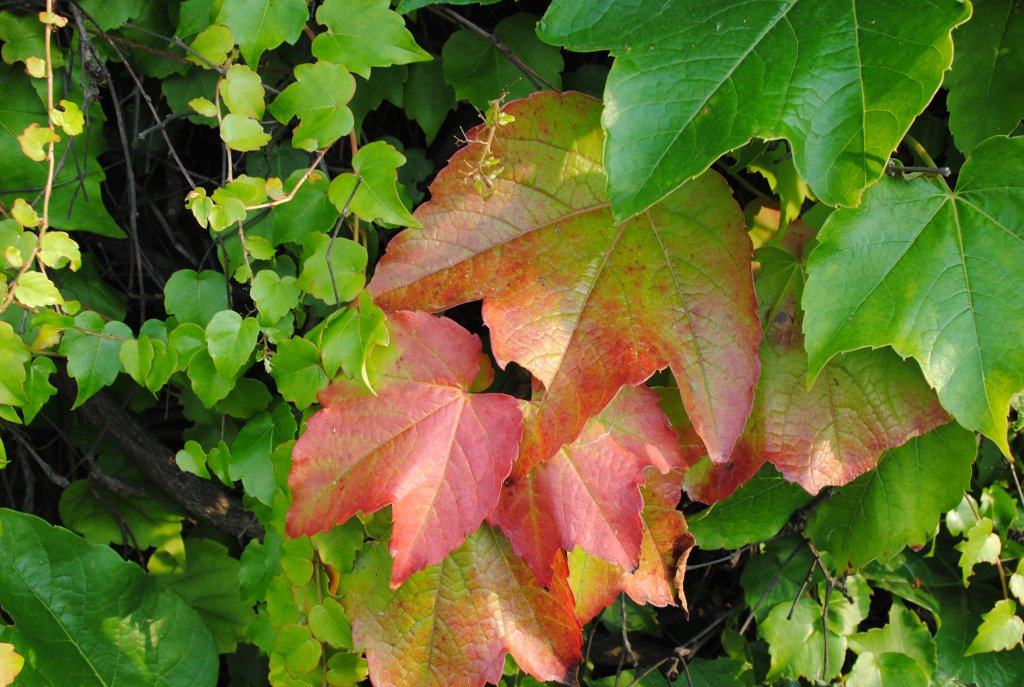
(658, 579)
(588, 493)
(586, 305)
(862, 404)
(452, 624)
(423, 444)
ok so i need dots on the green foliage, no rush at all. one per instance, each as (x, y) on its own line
(240, 246)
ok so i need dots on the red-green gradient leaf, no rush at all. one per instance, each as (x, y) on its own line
(658, 579)
(422, 444)
(863, 403)
(586, 305)
(588, 494)
(452, 624)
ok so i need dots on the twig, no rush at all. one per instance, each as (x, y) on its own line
(538, 81)
(770, 587)
(295, 189)
(334, 236)
(58, 480)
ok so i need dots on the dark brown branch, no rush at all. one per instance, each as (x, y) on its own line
(199, 498)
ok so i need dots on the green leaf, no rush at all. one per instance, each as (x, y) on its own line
(936, 275)
(348, 260)
(192, 459)
(376, 196)
(794, 635)
(195, 298)
(720, 671)
(242, 91)
(898, 503)
(22, 37)
(480, 72)
(754, 512)
(986, 84)
(213, 43)
(1001, 629)
(405, 6)
(890, 668)
(92, 352)
(11, 663)
(347, 669)
(318, 99)
(260, 25)
(294, 644)
(308, 212)
(243, 134)
(35, 290)
(102, 518)
(261, 561)
(349, 338)
(35, 139)
(249, 397)
(230, 341)
(38, 389)
(112, 14)
(329, 624)
(252, 448)
(274, 295)
(296, 369)
(905, 634)
(364, 33)
(13, 356)
(209, 583)
(57, 250)
(85, 617)
(428, 98)
(208, 384)
(693, 80)
(981, 546)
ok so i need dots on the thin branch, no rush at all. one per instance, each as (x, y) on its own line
(291, 194)
(334, 236)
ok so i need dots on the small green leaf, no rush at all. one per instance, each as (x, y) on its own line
(296, 369)
(11, 663)
(347, 669)
(296, 646)
(794, 635)
(364, 33)
(428, 97)
(57, 249)
(890, 668)
(242, 91)
(243, 133)
(230, 341)
(318, 99)
(192, 459)
(348, 260)
(260, 25)
(376, 197)
(1001, 629)
(904, 634)
(213, 43)
(208, 384)
(308, 212)
(34, 290)
(93, 351)
(38, 389)
(251, 450)
(34, 140)
(249, 397)
(274, 295)
(68, 117)
(206, 108)
(981, 546)
(1016, 583)
(195, 298)
(13, 356)
(328, 623)
(350, 336)
(24, 214)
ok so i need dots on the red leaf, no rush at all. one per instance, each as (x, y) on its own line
(584, 304)
(588, 493)
(436, 453)
(452, 624)
(658, 579)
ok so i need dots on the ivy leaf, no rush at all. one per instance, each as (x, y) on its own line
(252, 448)
(242, 91)
(876, 515)
(1001, 629)
(260, 25)
(479, 72)
(796, 642)
(244, 134)
(35, 290)
(309, 211)
(92, 350)
(376, 197)
(936, 275)
(209, 583)
(986, 84)
(11, 663)
(349, 338)
(693, 80)
(34, 140)
(274, 295)
(348, 260)
(38, 389)
(230, 341)
(588, 493)
(905, 634)
(567, 291)
(428, 98)
(13, 356)
(452, 623)
(982, 545)
(83, 616)
(296, 369)
(213, 43)
(436, 453)
(364, 33)
(890, 668)
(658, 577)
(195, 297)
(318, 98)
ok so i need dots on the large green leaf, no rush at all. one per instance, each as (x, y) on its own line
(260, 25)
(364, 33)
(319, 99)
(693, 80)
(82, 616)
(935, 274)
(899, 503)
(986, 84)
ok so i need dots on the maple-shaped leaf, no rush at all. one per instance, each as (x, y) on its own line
(418, 441)
(861, 405)
(658, 578)
(588, 493)
(936, 274)
(452, 624)
(694, 79)
(585, 304)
